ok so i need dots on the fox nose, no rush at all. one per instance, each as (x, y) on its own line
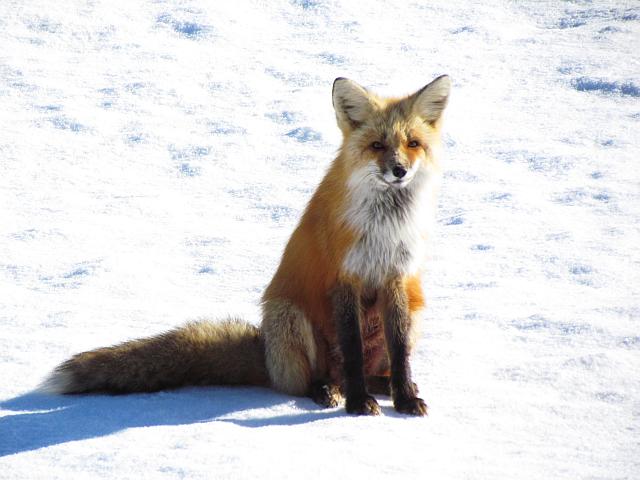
(399, 171)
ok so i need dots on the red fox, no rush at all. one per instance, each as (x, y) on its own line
(340, 313)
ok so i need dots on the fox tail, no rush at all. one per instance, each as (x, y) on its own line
(230, 352)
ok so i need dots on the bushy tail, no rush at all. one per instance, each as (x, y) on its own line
(230, 352)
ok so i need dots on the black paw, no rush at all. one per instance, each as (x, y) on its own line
(366, 405)
(411, 406)
(327, 396)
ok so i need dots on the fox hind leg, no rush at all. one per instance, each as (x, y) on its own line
(290, 348)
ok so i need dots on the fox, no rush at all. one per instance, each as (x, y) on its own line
(340, 315)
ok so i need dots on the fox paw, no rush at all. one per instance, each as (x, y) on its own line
(411, 406)
(366, 405)
(327, 396)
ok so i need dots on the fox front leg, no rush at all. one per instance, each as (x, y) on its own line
(346, 315)
(397, 329)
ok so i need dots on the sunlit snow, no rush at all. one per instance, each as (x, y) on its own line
(156, 155)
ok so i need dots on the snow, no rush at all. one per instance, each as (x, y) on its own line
(155, 157)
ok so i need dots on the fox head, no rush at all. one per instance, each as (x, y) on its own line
(391, 139)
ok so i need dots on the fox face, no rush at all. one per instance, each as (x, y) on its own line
(391, 139)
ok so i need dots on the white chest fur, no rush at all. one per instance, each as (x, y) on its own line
(391, 225)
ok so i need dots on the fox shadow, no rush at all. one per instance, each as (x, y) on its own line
(36, 420)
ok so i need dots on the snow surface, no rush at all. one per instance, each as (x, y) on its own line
(155, 157)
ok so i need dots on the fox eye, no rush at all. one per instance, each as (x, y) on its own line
(413, 144)
(377, 146)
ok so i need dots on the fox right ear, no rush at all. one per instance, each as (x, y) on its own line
(351, 102)
(432, 99)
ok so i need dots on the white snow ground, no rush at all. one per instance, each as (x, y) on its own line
(155, 156)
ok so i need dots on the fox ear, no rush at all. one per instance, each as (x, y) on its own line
(351, 102)
(430, 101)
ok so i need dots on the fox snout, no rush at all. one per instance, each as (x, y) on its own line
(394, 168)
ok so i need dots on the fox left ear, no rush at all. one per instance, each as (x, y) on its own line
(351, 102)
(430, 101)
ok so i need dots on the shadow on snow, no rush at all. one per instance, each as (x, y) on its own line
(38, 420)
